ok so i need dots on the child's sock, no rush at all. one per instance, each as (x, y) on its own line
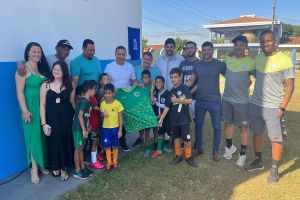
(178, 150)
(94, 156)
(115, 155)
(160, 141)
(108, 155)
(188, 152)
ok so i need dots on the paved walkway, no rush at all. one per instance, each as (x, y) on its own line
(49, 187)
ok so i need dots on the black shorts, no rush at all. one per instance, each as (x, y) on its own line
(164, 129)
(182, 132)
(94, 135)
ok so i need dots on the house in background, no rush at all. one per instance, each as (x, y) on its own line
(222, 33)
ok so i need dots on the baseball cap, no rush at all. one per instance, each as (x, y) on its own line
(240, 38)
(64, 43)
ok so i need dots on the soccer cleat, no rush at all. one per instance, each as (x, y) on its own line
(108, 167)
(257, 164)
(176, 160)
(241, 161)
(80, 175)
(191, 162)
(97, 165)
(156, 154)
(228, 152)
(116, 166)
(147, 153)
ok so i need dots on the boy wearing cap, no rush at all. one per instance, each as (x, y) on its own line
(235, 101)
(62, 48)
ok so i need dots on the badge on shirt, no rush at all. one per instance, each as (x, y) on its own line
(244, 67)
(163, 100)
(179, 93)
(136, 94)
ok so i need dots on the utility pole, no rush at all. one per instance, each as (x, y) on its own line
(273, 19)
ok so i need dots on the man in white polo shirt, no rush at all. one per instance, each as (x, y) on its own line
(121, 74)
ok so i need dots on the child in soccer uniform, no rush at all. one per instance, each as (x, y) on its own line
(80, 130)
(163, 99)
(180, 118)
(111, 110)
(146, 78)
(94, 133)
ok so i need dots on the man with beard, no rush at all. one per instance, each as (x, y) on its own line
(208, 99)
(187, 67)
(86, 66)
(273, 90)
(168, 61)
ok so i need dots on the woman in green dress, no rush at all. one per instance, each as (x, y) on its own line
(28, 93)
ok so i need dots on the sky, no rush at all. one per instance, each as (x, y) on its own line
(185, 18)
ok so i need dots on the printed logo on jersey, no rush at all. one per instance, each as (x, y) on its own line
(244, 67)
(136, 94)
(179, 93)
(163, 100)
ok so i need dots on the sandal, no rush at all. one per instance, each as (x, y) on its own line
(56, 173)
(34, 176)
(44, 171)
(64, 175)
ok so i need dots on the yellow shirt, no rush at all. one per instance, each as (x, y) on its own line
(113, 109)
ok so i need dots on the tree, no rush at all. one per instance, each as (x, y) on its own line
(144, 43)
(289, 30)
(180, 42)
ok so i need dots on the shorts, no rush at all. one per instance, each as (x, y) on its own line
(182, 132)
(192, 109)
(110, 137)
(235, 113)
(165, 128)
(94, 135)
(260, 117)
(78, 139)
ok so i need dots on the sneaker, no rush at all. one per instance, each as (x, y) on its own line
(88, 172)
(228, 152)
(156, 154)
(176, 160)
(97, 165)
(116, 166)
(167, 150)
(99, 157)
(137, 142)
(147, 153)
(191, 162)
(197, 152)
(124, 147)
(80, 175)
(257, 164)
(273, 177)
(216, 156)
(241, 161)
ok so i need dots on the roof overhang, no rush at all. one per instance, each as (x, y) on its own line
(208, 26)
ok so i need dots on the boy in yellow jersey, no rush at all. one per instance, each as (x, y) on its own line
(273, 90)
(111, 110)
(235, 100)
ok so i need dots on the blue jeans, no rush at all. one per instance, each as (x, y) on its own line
(214, 109)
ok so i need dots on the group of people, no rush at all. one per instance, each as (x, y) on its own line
(66, 103)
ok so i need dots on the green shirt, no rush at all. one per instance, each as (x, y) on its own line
(83, 105)
(85, 69)
(138, 113)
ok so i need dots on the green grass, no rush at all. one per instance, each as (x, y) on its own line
(141, 178)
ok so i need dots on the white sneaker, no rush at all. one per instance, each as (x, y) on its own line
(228, 152)
(241, 161)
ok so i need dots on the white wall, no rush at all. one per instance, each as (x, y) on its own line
(48, 21)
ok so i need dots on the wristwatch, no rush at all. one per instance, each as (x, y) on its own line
(282, 109)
